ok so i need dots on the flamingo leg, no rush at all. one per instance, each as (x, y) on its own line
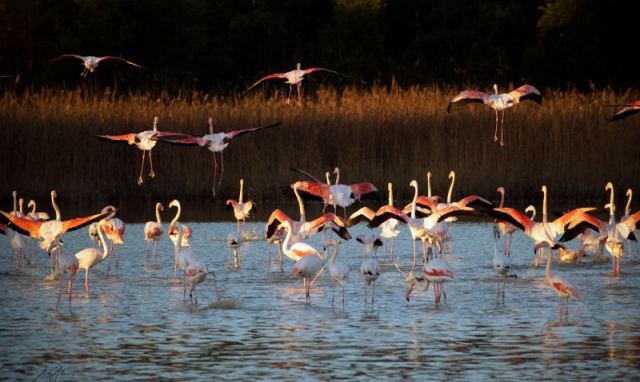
(333, 294)
(221, 169)
(495, 133)
(289, 97)
(60, 291)
(299, 86)
(151, 173)
(343, 297)
(392, 241)
(86, 279)
(413, 266)
(502, 130)
(146, 251)
(155, 250)
(509, 246)
(140, 181)
(215, 170)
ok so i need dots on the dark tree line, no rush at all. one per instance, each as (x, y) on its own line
(224, 45)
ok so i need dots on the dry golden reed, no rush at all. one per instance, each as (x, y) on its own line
(378, 135)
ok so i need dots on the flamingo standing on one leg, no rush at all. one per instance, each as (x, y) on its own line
(338, 270)
(562, 287)
(145, 141)
(498, 102)
(241, 209)
(216, 143)
(293, 78)
(90, 257)
(153, 232)
(91, 63)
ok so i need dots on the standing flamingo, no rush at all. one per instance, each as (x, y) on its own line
(370, 268)
(36, 216)
(562, 287)
(91, 63)
(216, 143)
(145, 141)
(90, 257)
(501, 262)
(114, 229)
(241, 209)
(506, 228)
(627, 212)
(389, 229)
(338, 270)
(64, 264)
(628, 109)
(153, 232)
(293, 77)
(498, 102)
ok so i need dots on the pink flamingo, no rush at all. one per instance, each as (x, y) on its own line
(65, 264)
(153, 232)
(91, 63)
(562, 287)
(241, 209)
(505, 228)
(90, 257)
(114, 229)
(145, 141)
(293, 78)
(498, 102)
(216, 143)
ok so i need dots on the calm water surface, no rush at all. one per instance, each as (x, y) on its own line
(136, 325)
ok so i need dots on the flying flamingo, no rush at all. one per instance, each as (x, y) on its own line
(90, 257)
(498, 102)
(52, 230)
(370, 268)
(337, 194)
(627, 110)
(293, 77)
(338, 270)
(153, 232)
(562, 287)
(91, 63)
(241, 209)
(216, 143)
(145, 141)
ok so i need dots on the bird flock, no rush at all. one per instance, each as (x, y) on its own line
(429, 219)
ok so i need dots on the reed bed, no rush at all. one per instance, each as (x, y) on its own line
(379, 135)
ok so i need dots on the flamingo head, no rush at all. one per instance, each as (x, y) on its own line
(14, 193)
(609, 186)
(495, 88)
(54, 194)
(335, 243)
(298, 66)
(413, 183)
(428, 174)
(411, 283)
(159, 206)
(452, 174)
(174, 203)
(336, 171)
(500, 190)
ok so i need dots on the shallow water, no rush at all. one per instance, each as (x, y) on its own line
(136, 325)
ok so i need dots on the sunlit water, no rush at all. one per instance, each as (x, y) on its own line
(136, 324)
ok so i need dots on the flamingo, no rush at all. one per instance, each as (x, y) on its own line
(562, 287)
(501, 262)
(567, 256)
(145, 141)
(506, 228)
(153, 232)
(293, 77)
(52, 230)
(91, 63)
(90, 257)
(92, 231)
(234, 242)
(216, 143)
(617, 232)
(114, 229)
(178, 234)
(370, 268)
(308, 260)
(498, 102)
(627, 110)
(64, 264)
(241, 209)
(337, 194)
(338, 270)
(437, 272)
(627, 212)
(37, 216)
(389, 229)
(15, 239)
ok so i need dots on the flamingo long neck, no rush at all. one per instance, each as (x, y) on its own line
(453, 180)
(178, 243)
(175, 218)
(533, 212)
(21, 204)
(627, 209)
(155, 124)
(32, 205)
(105, 249)
(287, 238)
(413, 202)
(300, 205)
(15, 201)
(327, 177)
(429, 184)
(612, 206)
(548, 273)
(337, 171)
(210, 125)
(55, 206)
(241, 189)
(390, 194)
(158, 213)
(501, 192)
(544, 204)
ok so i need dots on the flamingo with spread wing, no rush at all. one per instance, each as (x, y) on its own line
(91, 63)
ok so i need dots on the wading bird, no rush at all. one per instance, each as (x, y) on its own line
(498, 102)
(91, 63)
(145, 141)
(216, 143)
(153, 232)
(627, 110)
(90, 257)
(241, 209)
(64, 264)
(562, 287)
(370, 268)
(293, 78)
(338, 270)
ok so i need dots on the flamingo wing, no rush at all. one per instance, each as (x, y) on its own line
(428, 202)
(77, 223)
(305, 174)
(265, 78)
(317, 189)
(526, 92)
(364, 213)
(512, 216)
(116, 58)
(626, 111)
(580, 223)
(276, 217)
(628, 225)
(3, 229)
(385, 213)
(22, 225)
(468, 96)
(303, 249)
(364, 188)
(190, 140)
(475, 201)
(64, 56)
(237, 133)
(311, 70)
(130, 138)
